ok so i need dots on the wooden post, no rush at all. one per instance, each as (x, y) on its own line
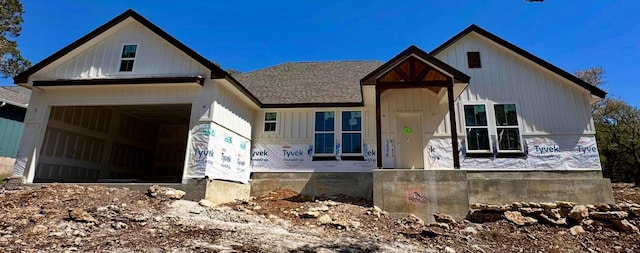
(378, 130)
(454, 130)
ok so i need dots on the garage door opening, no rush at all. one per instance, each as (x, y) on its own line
(124, 143)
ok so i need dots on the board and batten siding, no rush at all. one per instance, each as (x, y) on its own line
(546, 103)
(433, 113)
(154, 57)
(230, 111)
(296, 126)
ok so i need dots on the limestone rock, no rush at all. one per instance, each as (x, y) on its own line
(635, 211)
(548, 205)
(310, 214)
(440, 225)
(477, 206)
(517, 218)
(531, 210)
(39, 229)
(553, 213)
(160, 191)
(412, 220)
(625, 225)
(613, 215)
(603, 207)
(444, 218)
(548, 220)
(120, 225)
(206, 203)
(322, 208)
(80, 215)
(576, 230)
(449, 250)
(565, 204)
(470, 230)
(324, 219)
(579, 212)
(534, 205)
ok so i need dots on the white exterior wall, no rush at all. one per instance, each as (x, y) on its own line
(154, 57)
(554, 114)
(546, 103)
(290, 147)
(231, 111)
(215, 101)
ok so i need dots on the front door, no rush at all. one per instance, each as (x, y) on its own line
(409, 142)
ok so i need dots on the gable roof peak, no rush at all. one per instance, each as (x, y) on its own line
(521, 52)
(216, 72)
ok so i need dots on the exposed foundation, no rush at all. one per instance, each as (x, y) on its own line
(424, 192)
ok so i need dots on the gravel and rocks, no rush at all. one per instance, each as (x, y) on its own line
(72, 218)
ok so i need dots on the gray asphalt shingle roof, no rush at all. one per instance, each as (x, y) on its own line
(309, 82)
(15, 95)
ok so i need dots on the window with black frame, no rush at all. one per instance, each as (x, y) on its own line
(476, 128)
(507, 127)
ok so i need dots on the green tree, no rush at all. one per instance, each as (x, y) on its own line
(617, 132)
(11, 61)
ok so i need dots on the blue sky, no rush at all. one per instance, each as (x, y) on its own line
(249, 35)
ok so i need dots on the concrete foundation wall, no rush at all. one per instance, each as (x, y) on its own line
(356, 184)
(583, 187)
(220, 192)
(421, 192)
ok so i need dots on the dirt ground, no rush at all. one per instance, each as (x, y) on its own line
(63, 217)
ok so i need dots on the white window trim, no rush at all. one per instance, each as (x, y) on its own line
(335, 133)
(464, 123)
(265, 121)
(128, 58)
(360, 132)
(492, 127)
(519, 127)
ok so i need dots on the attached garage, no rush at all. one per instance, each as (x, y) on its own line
(115, 143)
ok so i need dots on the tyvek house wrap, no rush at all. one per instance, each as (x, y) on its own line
(218, 153)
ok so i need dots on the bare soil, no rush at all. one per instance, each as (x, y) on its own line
(121, 220)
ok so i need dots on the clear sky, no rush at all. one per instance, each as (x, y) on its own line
(249, 35)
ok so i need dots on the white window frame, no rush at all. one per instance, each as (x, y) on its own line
(492, 127)
(275, 121)
(128, 58)
(495, 127)
(335, 133)
(351, 132)
(488, 127)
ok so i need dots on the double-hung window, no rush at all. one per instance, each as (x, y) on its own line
(344, 127)
(324, 135)
(507, 128)
(270, 119)
(483, 136)
(477, 129)
(128, 57)
(351, 133)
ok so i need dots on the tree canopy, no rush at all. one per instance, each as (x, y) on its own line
(11, 61)
(617, 133)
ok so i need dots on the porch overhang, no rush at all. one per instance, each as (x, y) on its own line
(414, 68)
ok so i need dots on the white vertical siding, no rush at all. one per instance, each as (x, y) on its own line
(231, 112)
(154, 56)
(547, 104)
(296, 126)
(433, 113)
